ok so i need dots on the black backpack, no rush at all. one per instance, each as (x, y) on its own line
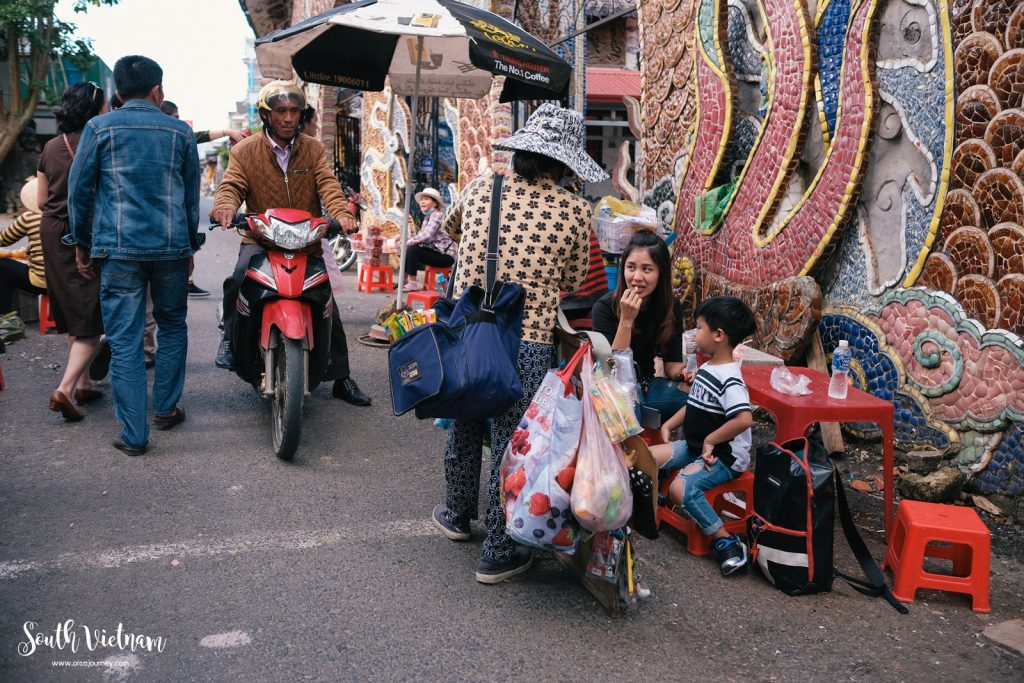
(791, 527)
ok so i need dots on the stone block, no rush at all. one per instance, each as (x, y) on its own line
(942, 486)
(1009, 634)
(922, 462)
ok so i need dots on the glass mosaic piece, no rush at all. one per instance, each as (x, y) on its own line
(970, 159)
(1015, 29)
(993, 15)
(975, 108)
(1011, 302)
(974, 58)
(978, 295)
(1007, 240)
(1007, 78)
(960, 210)
(970, 250)
(939, 273)
(1005, 135)
(1000, 196)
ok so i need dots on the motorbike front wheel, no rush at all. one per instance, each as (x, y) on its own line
(344, 255)
(289, 390)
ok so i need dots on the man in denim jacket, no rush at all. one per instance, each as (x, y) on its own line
(134, 211)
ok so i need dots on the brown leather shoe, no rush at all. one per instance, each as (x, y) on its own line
(83, 396)
(59, 402)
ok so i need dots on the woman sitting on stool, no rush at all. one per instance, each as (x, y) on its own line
(431, 246)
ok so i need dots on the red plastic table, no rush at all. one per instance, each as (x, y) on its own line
(794, 414)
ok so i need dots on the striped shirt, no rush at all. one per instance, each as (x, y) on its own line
(27, 225)
(718, 394)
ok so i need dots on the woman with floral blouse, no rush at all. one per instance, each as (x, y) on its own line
(543, 244)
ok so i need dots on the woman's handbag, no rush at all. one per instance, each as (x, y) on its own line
(463, 367)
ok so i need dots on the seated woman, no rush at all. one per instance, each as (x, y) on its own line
(642, 315)
(28, 277)
(431, 246)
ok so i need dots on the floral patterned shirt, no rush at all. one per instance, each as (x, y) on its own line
(543, 243)
(432, 235)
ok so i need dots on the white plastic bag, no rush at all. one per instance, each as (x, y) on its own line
(789, 383)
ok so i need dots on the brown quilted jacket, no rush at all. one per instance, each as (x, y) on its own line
(254, 177)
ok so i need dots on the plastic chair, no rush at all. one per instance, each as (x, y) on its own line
(427, 297)
(919, 526)
(430, 274)
(696, 542)
(369, 280)
(45, 320)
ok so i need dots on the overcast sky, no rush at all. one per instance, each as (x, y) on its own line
(198, 43)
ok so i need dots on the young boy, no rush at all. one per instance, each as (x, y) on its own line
(716, 425)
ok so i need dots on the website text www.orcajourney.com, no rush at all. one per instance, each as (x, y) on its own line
(91, 664)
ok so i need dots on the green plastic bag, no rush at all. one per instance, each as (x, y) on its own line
(11, 327)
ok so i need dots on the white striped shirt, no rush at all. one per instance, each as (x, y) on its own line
(718, 394)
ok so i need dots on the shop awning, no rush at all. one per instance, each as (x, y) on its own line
(609, 86)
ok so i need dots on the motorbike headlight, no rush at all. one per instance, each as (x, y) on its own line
(291, 235)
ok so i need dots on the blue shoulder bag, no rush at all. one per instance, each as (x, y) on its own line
(463, 366)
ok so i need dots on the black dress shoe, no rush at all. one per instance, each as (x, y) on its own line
(100, 365)
(347, 390)
(224, 357)
(128, 450)
(165, 422)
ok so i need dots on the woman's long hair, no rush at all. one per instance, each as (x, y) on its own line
(79, 103)
(660, 301)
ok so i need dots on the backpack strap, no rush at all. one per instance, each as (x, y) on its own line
(875, 584)
(491, 257)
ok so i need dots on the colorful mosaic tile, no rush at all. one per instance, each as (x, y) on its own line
(1015, 29)
(992, 15)
(1007, 241)
(980, 299)
(974, 58)
(831, 23)
(1011, 303)
(939, 272)
(1005, 471)
(1007, 78)
(1000, 197)
(971, 251)
(975, 108)
(970, 159)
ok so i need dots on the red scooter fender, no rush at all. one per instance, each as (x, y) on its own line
(291, 316)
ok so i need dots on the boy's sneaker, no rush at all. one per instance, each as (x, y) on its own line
(732, 554)
(453, 530)
(490, 572)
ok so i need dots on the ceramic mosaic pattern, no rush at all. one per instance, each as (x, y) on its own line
(833, 17)
(788, 311)
(933, 299)
(743, 256)
(479, 123)
(666, 85)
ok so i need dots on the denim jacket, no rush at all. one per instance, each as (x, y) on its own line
(136, 171)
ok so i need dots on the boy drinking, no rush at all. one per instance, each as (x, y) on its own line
(716, 425)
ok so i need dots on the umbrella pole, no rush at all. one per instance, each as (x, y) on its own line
(409, 176)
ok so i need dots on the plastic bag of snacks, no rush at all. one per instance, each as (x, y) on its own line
(545, 440)
(601, 496)
(614, 404)
(401, 322)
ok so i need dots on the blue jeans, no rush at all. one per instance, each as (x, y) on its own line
(694, 485)
(123, 286)
(663, 395)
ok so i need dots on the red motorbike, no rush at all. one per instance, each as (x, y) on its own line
(282, 327)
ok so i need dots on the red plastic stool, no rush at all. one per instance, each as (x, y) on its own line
(427, 297)
(430, 274)
(918, 527)
(368, 280)
(696, 542)
(45, 321)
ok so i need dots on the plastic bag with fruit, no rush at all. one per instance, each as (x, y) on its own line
(547, 436)
(601, 495)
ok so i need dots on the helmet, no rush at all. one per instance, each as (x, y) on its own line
(275, 89)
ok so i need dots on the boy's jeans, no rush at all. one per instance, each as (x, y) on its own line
(123, 287)
(694, 485)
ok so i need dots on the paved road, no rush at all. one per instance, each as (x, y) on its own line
(328, 569)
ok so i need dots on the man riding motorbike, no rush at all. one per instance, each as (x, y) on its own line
(282, 168)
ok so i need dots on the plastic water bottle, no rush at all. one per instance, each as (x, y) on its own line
(839, 383)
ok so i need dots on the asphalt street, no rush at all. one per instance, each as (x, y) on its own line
(251, 569)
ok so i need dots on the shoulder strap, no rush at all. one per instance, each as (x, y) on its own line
(491, 257)
(875, 584)
(599, 343)
(67, 144)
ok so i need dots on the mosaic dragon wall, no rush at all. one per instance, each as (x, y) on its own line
(855, 169)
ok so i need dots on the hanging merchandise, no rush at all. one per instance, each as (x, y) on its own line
(615, 405)
(601, 496)
(538, 466)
